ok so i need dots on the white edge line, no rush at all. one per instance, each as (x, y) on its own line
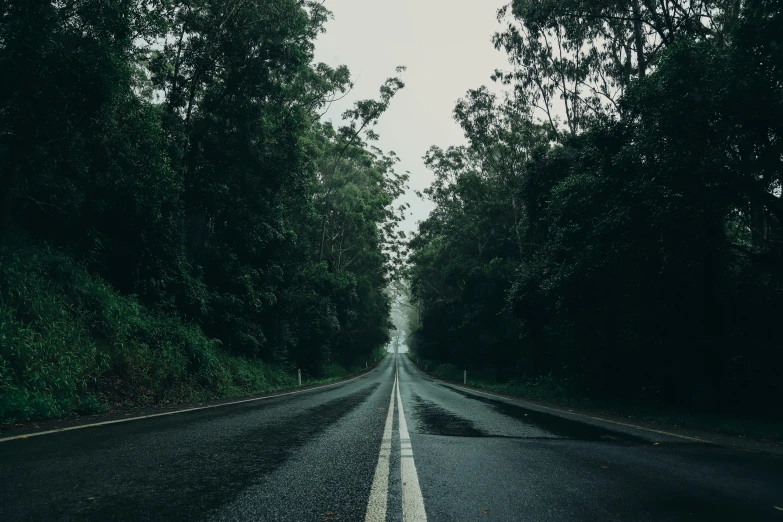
(117, 421)
(659, 432)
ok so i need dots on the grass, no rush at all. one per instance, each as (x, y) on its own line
(70, 344)
(551, 390)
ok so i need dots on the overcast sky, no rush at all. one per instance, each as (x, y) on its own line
(446, 45)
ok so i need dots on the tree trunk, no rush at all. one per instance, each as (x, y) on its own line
(758, 224)
(192, 96)
(637, 31)
(323, 237)
(516, 228)
(174, 95)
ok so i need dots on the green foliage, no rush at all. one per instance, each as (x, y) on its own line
(72, 344)
(635, 250)
(47, 356)
(174, 150)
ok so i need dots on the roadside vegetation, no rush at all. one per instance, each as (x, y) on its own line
(71, 344)
(176, 221)
(612, 230)
(557, 392)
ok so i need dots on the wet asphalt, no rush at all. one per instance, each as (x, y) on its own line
(312, 457)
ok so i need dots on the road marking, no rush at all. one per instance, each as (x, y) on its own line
(376, 505)
(412, 501)
(660, 432)
(117, 421)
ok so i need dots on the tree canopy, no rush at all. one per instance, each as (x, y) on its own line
(615, 219)
(175, 149)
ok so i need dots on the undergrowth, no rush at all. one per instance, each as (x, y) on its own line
(550, 389)
(70, 344)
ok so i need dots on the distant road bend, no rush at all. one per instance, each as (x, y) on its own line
(391, 445)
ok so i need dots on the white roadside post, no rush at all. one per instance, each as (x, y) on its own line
(299, 374)
(465, 377)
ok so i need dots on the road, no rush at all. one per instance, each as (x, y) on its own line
(349, 453)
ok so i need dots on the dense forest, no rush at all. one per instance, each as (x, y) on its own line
(177, 221)
(614, 221)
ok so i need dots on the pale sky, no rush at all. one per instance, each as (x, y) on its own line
(446, 45)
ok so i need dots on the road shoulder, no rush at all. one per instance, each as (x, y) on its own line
(47, 426)
(621, 423)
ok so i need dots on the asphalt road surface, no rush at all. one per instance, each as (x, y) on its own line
(391, 445)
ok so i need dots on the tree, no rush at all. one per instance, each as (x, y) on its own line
(648, 239)
(175, 148)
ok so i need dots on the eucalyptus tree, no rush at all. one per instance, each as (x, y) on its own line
(573, 60)
(175, 147)
(360, 249)
(639, 152)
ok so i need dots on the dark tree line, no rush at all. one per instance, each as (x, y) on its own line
(615, 219)
(174, 147)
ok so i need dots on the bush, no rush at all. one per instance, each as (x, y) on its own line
(69, 343)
